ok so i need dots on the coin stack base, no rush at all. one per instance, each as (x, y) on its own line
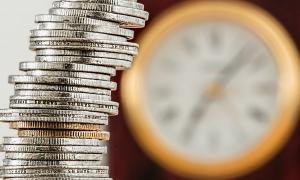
(62, 102)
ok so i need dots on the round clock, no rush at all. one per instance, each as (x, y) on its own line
(215, 89)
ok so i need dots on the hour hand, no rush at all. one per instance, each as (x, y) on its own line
(190, 127)
(194, 118)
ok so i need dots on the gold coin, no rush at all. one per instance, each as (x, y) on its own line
(55, 125)
(101, 135)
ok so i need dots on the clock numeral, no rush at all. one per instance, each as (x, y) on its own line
(160, 93)
(214, 141)
(215, 38)
(169, 114)
(169, 66)
(258, 63)
(267, 88)
(189, 45)
(258, 114)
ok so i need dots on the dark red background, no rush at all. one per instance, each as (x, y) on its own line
(128, 161)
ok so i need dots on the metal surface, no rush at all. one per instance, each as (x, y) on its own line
(62, 103)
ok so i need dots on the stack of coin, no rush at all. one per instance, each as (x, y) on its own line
(63, 101)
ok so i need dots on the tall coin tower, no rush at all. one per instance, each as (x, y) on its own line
(62, 102)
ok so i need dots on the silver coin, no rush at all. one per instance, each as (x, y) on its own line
(10, 162)
(71, 104)
(80, 53)
(101, 8)
(52, 141)
(73, 19)
(36, 118)
(87, 28)
(67, 99)
(75, 34)
(56, 172)
(72, 74)
(70, 175)
(51, 80)
(124, 3)
(101, 169)
(124, 20)
(64, 105)
(62, 66)
(83, 44)
(131, 0)
(62, 94)
(119, 64)
(58, 178)
(54, 156)
(48, 115)
(65, 88)
(105, 168)
(59, 170)
(51, 113)
(58, 149)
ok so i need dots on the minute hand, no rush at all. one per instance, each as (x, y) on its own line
(228, 72)
(204, 102)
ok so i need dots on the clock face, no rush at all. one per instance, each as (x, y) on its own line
(215, 89)
(211, 90)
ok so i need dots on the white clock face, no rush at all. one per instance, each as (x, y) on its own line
(211, 90)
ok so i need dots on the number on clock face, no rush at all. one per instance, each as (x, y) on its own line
(211, 90)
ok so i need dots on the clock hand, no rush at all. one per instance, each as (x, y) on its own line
(208, 97)
(214, 91)
(228, 72)
(195, 117)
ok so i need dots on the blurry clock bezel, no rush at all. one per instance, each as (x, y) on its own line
(276, 39)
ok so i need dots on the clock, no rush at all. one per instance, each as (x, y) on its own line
(215, 89)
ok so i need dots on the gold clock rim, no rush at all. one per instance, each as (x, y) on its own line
(282, 47)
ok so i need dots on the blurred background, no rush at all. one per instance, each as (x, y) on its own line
(17, 19)
(128, 158)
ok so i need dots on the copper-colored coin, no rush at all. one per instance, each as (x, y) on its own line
(101, 135)
(55, 125)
